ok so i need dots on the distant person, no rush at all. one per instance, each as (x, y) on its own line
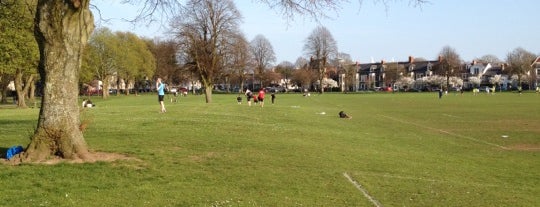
(519, 90)
(239, 99)
(255, 100)
(161, 94)
(87, 103)
(343, 115)
(440, 93)
(273, 94)
(537, 90)
(249, 95)
(260, 98)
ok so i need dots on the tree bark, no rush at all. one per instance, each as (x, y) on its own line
(22, 92)
(208, 93)
(62, 29)
(31, 81)
(105, 89)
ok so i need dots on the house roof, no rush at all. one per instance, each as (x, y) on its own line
(536, 62)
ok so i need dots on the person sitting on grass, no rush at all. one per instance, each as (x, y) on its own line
(87, 103)
(343, 115)
(239, 99)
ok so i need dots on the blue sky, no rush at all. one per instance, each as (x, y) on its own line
(371, 31)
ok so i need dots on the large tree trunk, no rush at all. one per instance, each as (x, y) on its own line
(31, 81)
(62, 30)
(22, 91)
(105, 89)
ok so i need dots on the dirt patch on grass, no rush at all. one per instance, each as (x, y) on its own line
(525, 147)
(203, 157)
(90, 157)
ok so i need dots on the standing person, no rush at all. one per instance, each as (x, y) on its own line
(161, 94)
(249, 95)
(537, 90)
(273, 94)
(261, 97)
(440, 93)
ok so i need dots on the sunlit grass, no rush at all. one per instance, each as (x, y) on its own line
(405, 149)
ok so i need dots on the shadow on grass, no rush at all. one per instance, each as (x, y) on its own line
(3, 151)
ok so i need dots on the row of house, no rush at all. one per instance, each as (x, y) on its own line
(375, 75)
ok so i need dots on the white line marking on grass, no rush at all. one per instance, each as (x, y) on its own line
(448, 115)
(445, 132)
(363, 190)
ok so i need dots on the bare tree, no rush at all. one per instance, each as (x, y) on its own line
(263, 55)
(519, 62)
(321, 47)
(166, 63)
(319, 8)
(300, 62)
(203, 31)
(237, 60)
(490, 59)
(449, 65)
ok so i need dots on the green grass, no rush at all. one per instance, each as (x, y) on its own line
(405, 149)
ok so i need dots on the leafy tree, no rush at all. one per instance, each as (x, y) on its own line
(475, 81)
(321, 47)
(405, 82)
(19, 57)
(100, 59)
(496, 80)
(520, 63)
(136, 62)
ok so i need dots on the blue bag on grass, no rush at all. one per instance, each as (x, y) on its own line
(13, 151)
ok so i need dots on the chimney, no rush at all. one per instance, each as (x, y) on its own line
(440, 58)
(382, 62)
(411, 59)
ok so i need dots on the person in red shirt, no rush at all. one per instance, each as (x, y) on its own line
(261, 97)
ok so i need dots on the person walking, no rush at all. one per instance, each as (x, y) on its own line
(261, 97)
(249, 95)
(161, 94)
(273, 94)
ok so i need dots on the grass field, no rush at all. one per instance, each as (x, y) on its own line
(403, 149)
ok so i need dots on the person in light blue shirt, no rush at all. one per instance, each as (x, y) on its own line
(161, 94)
